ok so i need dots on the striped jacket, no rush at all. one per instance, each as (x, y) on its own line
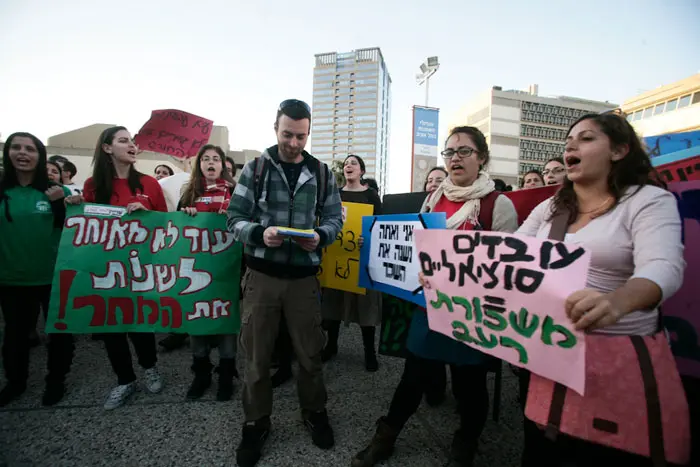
(284, 207)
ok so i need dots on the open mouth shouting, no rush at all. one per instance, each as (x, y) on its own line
(23, 162)
(572, 161)
(457, 168)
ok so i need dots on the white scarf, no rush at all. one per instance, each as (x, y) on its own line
(469, 195)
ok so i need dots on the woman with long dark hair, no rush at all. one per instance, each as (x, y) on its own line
(469, 200)
(32, 214)
(618, 209)
(209, 190)
(337, 305)
(115, 181)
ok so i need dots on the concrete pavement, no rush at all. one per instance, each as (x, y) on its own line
(166, 430)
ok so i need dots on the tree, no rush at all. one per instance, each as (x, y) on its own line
(337, 169)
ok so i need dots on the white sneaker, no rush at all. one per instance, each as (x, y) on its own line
(154, 383)
(119, 395)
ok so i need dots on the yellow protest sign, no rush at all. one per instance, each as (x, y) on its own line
(340, 267)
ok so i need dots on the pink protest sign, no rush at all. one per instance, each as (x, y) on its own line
(682, 311)
(504, 294)
(174, 132)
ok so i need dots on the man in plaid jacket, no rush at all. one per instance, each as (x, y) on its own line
(281, 275)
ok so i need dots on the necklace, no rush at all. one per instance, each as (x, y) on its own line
(598, 208)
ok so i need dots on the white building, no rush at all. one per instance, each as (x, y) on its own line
(523, 129)
(672, 108)
(350, 109)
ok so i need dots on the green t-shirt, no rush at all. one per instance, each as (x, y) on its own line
(28, 244)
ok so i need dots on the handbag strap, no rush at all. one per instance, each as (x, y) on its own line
(651, 393)
(560, 223)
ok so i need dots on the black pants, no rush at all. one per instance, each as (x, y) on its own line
(119, 353)
(20, 305)
(472, 397)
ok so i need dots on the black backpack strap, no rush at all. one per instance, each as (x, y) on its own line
(321, 187)
(260, 168)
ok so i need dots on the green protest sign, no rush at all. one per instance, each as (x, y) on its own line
(145, 272)
(396, 321)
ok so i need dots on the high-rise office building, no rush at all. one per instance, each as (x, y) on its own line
(350, 109)
(523, 129)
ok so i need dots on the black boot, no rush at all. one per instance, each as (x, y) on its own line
(463, 450)
(201, 366)
(371, 363)
(11, 392)
(173, 341)
(331, 348)
(227, 371)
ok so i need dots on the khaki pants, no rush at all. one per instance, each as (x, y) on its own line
(264, 299)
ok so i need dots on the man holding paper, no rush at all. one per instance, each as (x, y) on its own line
(285, 209)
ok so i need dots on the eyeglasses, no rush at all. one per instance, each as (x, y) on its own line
(462, 152)
(555, 171)
(293, 103)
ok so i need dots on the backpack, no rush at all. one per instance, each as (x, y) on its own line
(260, 177)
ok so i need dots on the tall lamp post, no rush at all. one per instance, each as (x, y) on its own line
(427, 69)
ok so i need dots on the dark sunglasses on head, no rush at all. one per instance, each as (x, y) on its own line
(286, 104)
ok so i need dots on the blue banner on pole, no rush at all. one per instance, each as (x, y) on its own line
(425, 131)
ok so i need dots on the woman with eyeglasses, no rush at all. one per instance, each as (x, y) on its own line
(468, 198)
(554, 171)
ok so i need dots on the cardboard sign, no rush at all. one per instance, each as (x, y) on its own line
(504, 294)
(340, 267)
(145, 272)
(174, 132)
(389, 260)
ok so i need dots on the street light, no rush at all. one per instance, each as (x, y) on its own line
(427, 69)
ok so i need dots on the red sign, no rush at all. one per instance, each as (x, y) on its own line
(527, 200)
(174, 132)
(681, 171)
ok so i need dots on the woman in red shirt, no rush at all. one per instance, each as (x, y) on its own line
(209, 190)
(115, 181)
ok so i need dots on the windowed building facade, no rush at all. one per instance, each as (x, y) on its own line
(524, 130)
(350, 109)
(672, 108)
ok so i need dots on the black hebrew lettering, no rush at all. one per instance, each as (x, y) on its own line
(426, 263)
(403, 253)
(491, 271)
(467, 269)
(491, 241)
(520, 325)
(388, 232)
(549, 328)
(535, 278)
(384, 250)
(567, 257)
(203, 126)
(408, 233)
(519, 251)
(465, 244)
(395, 271)
(494, 310)
(448, 265)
